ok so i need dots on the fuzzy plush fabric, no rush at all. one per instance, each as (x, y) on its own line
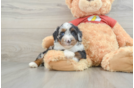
(53, 55)
(110, 47)
(119, 60)
(50, 42)
(55, 60)
(98, 42)
(75, 6)
(92, 6)
(122, 37)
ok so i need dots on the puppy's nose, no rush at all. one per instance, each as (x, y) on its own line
(68, 41)
(89, 0)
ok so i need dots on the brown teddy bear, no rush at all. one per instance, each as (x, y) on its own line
(106, 42)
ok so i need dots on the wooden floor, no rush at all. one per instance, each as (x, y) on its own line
(19, 75)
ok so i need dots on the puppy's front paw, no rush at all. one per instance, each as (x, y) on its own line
(76, 59)
(69, 54)
(33, 65)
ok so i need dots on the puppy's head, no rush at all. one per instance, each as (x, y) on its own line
(67, 35)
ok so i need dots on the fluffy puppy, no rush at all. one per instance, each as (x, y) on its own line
(67, 38)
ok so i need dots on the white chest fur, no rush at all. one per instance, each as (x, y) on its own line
(75, 48)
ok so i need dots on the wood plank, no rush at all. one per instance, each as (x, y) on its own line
(49, 14)
(20, 75)
(34, 14)
(24, 44)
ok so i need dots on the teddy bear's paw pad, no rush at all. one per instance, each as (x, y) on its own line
(69, 54)
(119, 60)
(33, 65)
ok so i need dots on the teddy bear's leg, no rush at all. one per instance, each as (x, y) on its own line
(64, 65)
(122, 37)
(119, 60)
(47, 42)
(56, 60)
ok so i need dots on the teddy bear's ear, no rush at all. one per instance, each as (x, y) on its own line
(69, 3)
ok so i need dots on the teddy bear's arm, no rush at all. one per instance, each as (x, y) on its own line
(69, 2)
(47, 42)
(122, 37)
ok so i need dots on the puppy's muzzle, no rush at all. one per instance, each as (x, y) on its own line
(68, 41)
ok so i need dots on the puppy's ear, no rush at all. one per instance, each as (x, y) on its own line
(55, 34)
(79, 33)
(79, 36)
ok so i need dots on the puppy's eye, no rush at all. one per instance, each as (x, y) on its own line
(62, 33)
(73, 32)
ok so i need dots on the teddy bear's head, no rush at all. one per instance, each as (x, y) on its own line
(81, 8)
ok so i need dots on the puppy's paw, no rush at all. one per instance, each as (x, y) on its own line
(69, 54)
(75, 59)
(33, 65)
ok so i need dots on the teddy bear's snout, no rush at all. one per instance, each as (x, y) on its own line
(90, 5)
